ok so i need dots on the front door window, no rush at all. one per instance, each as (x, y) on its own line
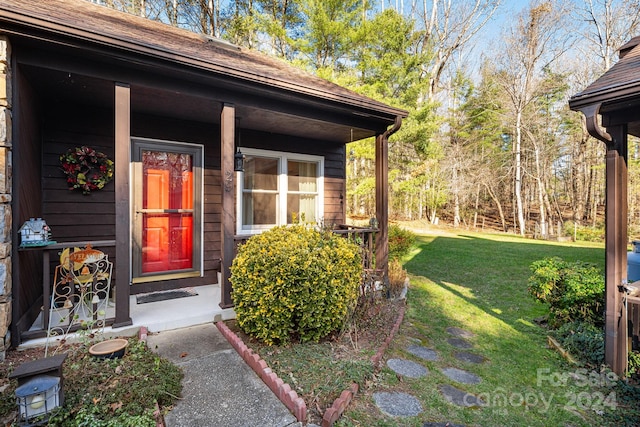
(167, 213)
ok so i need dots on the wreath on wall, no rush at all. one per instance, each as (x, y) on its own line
(86, 169)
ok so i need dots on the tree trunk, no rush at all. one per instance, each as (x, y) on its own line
(496, 200)
(518, 173)
(543, 217)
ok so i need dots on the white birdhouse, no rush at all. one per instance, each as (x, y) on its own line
(34, 232)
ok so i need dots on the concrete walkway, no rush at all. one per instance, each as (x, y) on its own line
(219, 388)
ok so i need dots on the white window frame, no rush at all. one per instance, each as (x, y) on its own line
(283, 190)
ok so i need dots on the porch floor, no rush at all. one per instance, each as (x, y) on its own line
(163, 315)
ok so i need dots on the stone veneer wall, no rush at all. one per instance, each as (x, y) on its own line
(5, 195)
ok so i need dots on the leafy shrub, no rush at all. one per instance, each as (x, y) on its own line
(573, 291)
(583, 232)
(400, 241)
(295, 281)
(583, 340)
(634, 364)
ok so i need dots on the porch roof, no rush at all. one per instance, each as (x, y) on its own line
(617, 92)
(133, 41)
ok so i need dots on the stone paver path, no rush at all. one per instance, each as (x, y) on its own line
(441, 425)
(460, 343)
(461, 376)
(423, 353)
(459, 397)
(407, 368)
(460, 332)
(468, 357)
(398, 404)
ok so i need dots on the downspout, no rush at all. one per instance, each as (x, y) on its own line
(382, 197)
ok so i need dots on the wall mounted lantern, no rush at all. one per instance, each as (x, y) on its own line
(238, 158)
(238, 161)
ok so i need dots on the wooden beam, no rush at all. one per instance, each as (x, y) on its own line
(123, 212)
(616, 250)
(382, 203)
(227, 142)
(382, 196)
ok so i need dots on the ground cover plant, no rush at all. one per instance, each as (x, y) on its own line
(102, 393)
(320, 372)
(479, 282)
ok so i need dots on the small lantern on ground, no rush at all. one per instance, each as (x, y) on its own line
(37, 397)
(39, 388)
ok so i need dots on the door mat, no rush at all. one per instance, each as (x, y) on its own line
(165, 295)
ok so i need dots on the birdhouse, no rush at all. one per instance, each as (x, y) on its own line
(34, 232)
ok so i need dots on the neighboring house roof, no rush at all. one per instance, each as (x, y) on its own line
(126, 34)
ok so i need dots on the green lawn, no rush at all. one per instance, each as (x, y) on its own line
(479, 282)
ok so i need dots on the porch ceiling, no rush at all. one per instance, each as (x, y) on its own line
(58, 86)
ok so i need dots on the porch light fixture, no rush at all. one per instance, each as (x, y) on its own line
(39, 389)
(238, 161)
(238, 158)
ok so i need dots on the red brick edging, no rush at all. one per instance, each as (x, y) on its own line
(281, 389)
(378, 356)
(284, 392)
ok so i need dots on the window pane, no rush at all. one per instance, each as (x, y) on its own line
(170, 171)
(259, 208)
(302, 176)
(302, 207)
(260, 173)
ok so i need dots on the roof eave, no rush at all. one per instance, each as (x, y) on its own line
(34, 25)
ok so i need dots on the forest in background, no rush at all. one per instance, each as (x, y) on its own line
(489, 141)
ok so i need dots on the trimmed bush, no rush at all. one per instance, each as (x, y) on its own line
(400, 241)
(295, 282)
(574, 291)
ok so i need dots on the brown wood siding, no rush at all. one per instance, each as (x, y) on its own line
(27, 265)
(77, 217)
(74, 216)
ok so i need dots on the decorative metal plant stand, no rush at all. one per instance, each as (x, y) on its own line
(80, 295)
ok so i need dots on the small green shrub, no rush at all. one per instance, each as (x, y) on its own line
(634, 364)
(295, 282)
(574, 291)
(583, 232)
(583, 340)
(400, 241)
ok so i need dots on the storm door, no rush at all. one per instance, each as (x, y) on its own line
(167, 210)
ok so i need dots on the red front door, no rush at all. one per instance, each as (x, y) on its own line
(167, 211)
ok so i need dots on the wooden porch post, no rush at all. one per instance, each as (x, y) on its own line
(227, 142)
(616, 250)
(382, 196)
(123, 213)
(382, 203)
